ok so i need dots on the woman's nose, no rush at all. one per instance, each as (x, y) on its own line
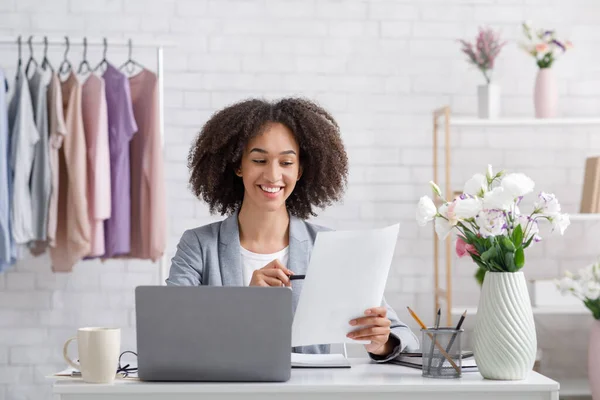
(273, 173)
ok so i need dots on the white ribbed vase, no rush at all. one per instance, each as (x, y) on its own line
(504, 340)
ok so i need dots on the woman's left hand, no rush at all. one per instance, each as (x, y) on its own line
(376, 328)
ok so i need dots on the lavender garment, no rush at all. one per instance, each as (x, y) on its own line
(121, 128)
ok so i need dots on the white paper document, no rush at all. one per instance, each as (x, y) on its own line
(346, 275)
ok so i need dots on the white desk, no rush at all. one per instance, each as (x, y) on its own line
(364, 381)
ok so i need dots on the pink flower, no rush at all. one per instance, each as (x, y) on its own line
(541, 48)
(462, 248)
(451, 214)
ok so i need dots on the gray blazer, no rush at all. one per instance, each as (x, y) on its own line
(210, 255)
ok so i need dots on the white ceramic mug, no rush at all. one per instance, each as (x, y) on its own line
(98, 350)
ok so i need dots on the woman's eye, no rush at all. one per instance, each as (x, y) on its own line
(259, 161)
(286, 163)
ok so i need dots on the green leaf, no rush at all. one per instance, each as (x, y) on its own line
(480, 275)
(497, 266)
(519, 258)
(509, 260)
(508, 245)
(488, 254)
(528, 242)
(517, 236)
(470, 236)
(594, 307)
(478, 261)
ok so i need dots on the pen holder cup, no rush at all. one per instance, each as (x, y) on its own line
(442, 352)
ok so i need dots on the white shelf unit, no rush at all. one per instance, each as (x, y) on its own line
(442, 119)
(568, 387)
(508, 122)
(584, 217)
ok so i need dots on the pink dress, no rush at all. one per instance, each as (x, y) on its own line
(148, 208)
(95, 123)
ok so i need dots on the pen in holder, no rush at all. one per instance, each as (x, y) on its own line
(442, 352)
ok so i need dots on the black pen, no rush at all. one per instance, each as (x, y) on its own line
(453, 338)
(294, 277)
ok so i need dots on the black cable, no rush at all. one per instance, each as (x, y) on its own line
(126, 369)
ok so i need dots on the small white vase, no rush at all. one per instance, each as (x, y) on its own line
(546, 94)
(504, 338)
(488, 97)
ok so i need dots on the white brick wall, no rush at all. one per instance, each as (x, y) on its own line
(380, 66)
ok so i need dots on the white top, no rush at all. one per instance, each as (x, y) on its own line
(253, 261)
(364, 376)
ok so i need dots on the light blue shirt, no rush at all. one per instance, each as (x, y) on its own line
(8, 251)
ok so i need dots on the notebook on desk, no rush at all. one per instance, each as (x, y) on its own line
(415, 360)
(300, 360)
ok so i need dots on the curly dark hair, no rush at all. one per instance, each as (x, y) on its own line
(218, 149)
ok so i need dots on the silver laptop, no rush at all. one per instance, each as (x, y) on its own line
(210, 333)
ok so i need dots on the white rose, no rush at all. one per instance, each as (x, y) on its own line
(567, 285)
(442, 228)
(498, 198)
(517, 185)
(563, 285)
(560, 222)
(468, 207)
(591, 290)
(491, 223)
(586, 273)
(547, 204)
(426, 211)
(476, 186)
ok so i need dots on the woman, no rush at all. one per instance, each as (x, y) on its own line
(268, 165)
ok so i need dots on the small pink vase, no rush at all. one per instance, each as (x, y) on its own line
(594, 360)
(546, 94)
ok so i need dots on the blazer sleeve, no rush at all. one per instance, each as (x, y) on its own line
(406, 340)
(186, 265)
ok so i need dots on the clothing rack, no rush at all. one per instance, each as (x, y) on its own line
(61, 41)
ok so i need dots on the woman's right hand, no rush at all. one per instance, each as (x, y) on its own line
(272, 274)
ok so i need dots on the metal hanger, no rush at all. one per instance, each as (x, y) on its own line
(65, 67)
(31, 59)
(103, 62)
(85, 63)
(19, 61)
(45, 61)
(130, 64)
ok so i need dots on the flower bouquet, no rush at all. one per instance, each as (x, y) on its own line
(486, 216)
(492, 231)
(482, 53)
(543, 45)
(585, 285)
(545, 48)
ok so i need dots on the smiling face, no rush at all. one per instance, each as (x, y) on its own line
(270, 168)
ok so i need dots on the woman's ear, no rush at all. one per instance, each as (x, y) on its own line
(238, 172)
(299, 173)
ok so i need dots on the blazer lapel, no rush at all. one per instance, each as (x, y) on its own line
(230, 258)
(298, 256)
